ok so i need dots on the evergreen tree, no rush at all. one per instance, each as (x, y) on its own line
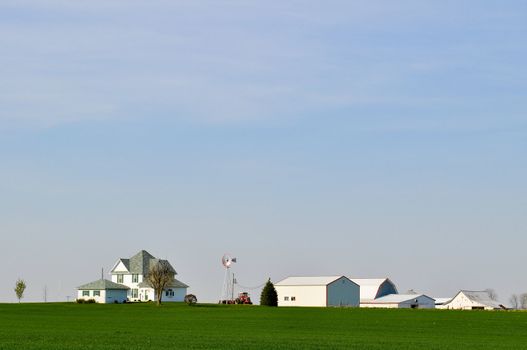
(269, 297)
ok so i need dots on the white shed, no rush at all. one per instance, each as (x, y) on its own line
(103, 291)
(473, 300)
(318, 291)
(402, 301)
(373, 288)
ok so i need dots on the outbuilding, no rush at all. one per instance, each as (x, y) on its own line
(318, 291)
(373, 288)
(473, 300)
(402, 301)
(103, 291)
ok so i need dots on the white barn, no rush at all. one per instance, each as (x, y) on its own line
(318, 291)
(473, 300)
(373, 288)
(402, 301)
(103, 291)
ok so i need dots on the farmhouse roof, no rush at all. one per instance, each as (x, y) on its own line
(140, 263)
(308, 280)
(102, 284)
(174, 284)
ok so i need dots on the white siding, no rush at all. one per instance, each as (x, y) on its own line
(462, 302)
(120, 267)
(304, 295)
(106, 296)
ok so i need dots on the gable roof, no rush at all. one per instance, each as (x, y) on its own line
(140, 263)
(398, 298)
(481, 297)
(369, 287)
(125, 262)
(103, 285)
(308, 280)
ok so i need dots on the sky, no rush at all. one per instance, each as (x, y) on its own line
(359, 138)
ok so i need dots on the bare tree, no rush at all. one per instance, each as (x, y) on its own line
(492, 294)
(515, 301)
(20, 287)
(160, 276)
(523, 301)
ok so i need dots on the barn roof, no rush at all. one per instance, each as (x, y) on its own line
(441, 301)
(102, 284)
(481, 297)
(308, 280)
(397, 298)
(369, 287)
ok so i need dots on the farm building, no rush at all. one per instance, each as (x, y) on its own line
(103, 291)
(401, 301)
(318, 291)
(473, 300)
(373, 288)
(132, 272)
(441, 302)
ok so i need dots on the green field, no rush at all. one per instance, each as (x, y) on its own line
(146, 326)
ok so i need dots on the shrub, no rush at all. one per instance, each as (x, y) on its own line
(190, 299)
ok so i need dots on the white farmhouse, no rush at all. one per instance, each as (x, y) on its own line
(317, 291)
(373, 288)
(402, 301)
(131, 272)
(103, 291)
(473, 300)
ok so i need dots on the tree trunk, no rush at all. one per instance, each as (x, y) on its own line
(159, 296)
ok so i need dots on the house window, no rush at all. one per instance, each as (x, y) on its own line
(286, 298)
(96, 293)
(135, 278)
(135, 293)
(85, 293)
(293, 298)
(119, 278)
(169, 293)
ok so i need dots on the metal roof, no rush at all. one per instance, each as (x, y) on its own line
(441, 301)
(308, 280)
(481, 297)
(369, 287)
(102, 284)
(397, 298)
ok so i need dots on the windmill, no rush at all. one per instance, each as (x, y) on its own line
(227, 292)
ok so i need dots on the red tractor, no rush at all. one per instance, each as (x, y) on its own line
(243, 298)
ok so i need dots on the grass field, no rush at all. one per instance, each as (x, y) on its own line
(146, 326)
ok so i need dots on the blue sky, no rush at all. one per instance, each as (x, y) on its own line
(366, 138)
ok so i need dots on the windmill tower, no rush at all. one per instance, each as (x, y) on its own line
(227, 291)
